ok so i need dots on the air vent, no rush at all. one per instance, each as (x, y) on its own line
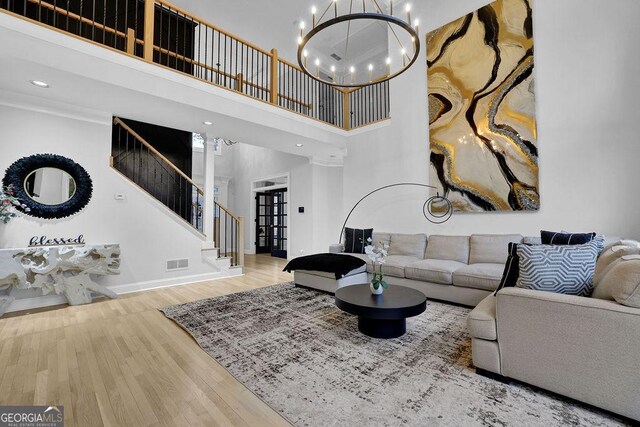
(178, 264)
(336, 57)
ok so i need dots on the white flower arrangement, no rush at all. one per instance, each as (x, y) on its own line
(8, 203)
(378, 256)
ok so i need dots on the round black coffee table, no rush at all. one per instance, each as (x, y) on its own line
(381, 316)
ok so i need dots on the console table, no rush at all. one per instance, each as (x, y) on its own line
(64, 270)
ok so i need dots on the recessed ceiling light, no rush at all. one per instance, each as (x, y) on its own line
(39, 83)
(298, 145)
(207, 123)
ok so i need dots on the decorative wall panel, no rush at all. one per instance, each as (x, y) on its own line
(482, 125)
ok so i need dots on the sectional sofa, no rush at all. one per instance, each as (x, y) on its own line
(459, 269)
(587, 348)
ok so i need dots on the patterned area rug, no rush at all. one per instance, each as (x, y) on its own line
(305, 358)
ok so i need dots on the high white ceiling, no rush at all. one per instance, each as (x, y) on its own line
(275, 23)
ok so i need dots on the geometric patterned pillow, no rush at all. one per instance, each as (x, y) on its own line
(564, 269)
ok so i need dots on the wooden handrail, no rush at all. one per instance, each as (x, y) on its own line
(225, 74)
(175, 8)
(82, 19)
(119, 122)
(226, 210)
(274, 94)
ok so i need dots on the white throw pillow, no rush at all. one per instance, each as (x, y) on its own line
(624, 281)
(608, 259)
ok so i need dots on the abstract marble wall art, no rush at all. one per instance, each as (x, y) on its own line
(482, 122)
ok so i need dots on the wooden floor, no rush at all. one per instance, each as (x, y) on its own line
(122, 363)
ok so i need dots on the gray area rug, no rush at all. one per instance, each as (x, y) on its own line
(305, 358)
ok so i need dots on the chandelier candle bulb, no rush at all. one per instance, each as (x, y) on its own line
(313, 14)
(335, 7)
(391, 7)
(408, 9)
(416, 24)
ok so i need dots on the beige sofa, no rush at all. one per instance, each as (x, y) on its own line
(584, 348)
(459, 269)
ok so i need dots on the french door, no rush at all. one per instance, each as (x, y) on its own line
(272, 223)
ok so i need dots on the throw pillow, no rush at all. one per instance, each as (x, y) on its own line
(355, 240)
(623, 280)
(565, 238)
(511, 268)
(609, 257)
(565, 269)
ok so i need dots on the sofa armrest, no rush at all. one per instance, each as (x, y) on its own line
(336, 248)
(584, 348)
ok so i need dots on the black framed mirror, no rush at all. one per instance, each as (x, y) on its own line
(49, 185)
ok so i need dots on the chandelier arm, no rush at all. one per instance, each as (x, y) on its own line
(375, 3)
(398, 39)
(324, 13)
(413, 184)
(392, 30)
(346, 47)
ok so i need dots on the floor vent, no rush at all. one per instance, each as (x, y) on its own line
(178, 264)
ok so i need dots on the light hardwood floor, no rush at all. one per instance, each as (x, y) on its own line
(122, 363)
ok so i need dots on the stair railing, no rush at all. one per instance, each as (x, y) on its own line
(150, 170)
(161, 33)
(228, 234)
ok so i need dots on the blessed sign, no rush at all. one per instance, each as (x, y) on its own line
(56, 241)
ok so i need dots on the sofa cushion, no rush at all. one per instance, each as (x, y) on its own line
(479, 276)
(394, 265)
(452, 248)
(490, 248)
(565, 269)
(433, 270)
(379, 239)
(532, 240)
(482, 320)
(408, 244)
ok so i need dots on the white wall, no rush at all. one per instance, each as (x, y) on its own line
(149, 234)
(587, 68)
(316, 188)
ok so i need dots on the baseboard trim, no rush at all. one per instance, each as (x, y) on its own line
(53, 300)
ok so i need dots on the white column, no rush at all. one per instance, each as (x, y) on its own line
(209, 183)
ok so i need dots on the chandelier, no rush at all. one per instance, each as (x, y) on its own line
(354, 44)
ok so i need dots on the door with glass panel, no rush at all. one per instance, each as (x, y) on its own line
(263, 222)
(279, 222)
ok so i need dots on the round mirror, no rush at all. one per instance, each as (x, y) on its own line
(50, 186)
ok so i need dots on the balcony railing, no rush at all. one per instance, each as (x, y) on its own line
(162, 33)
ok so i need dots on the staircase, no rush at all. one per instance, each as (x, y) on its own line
(137, 160)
